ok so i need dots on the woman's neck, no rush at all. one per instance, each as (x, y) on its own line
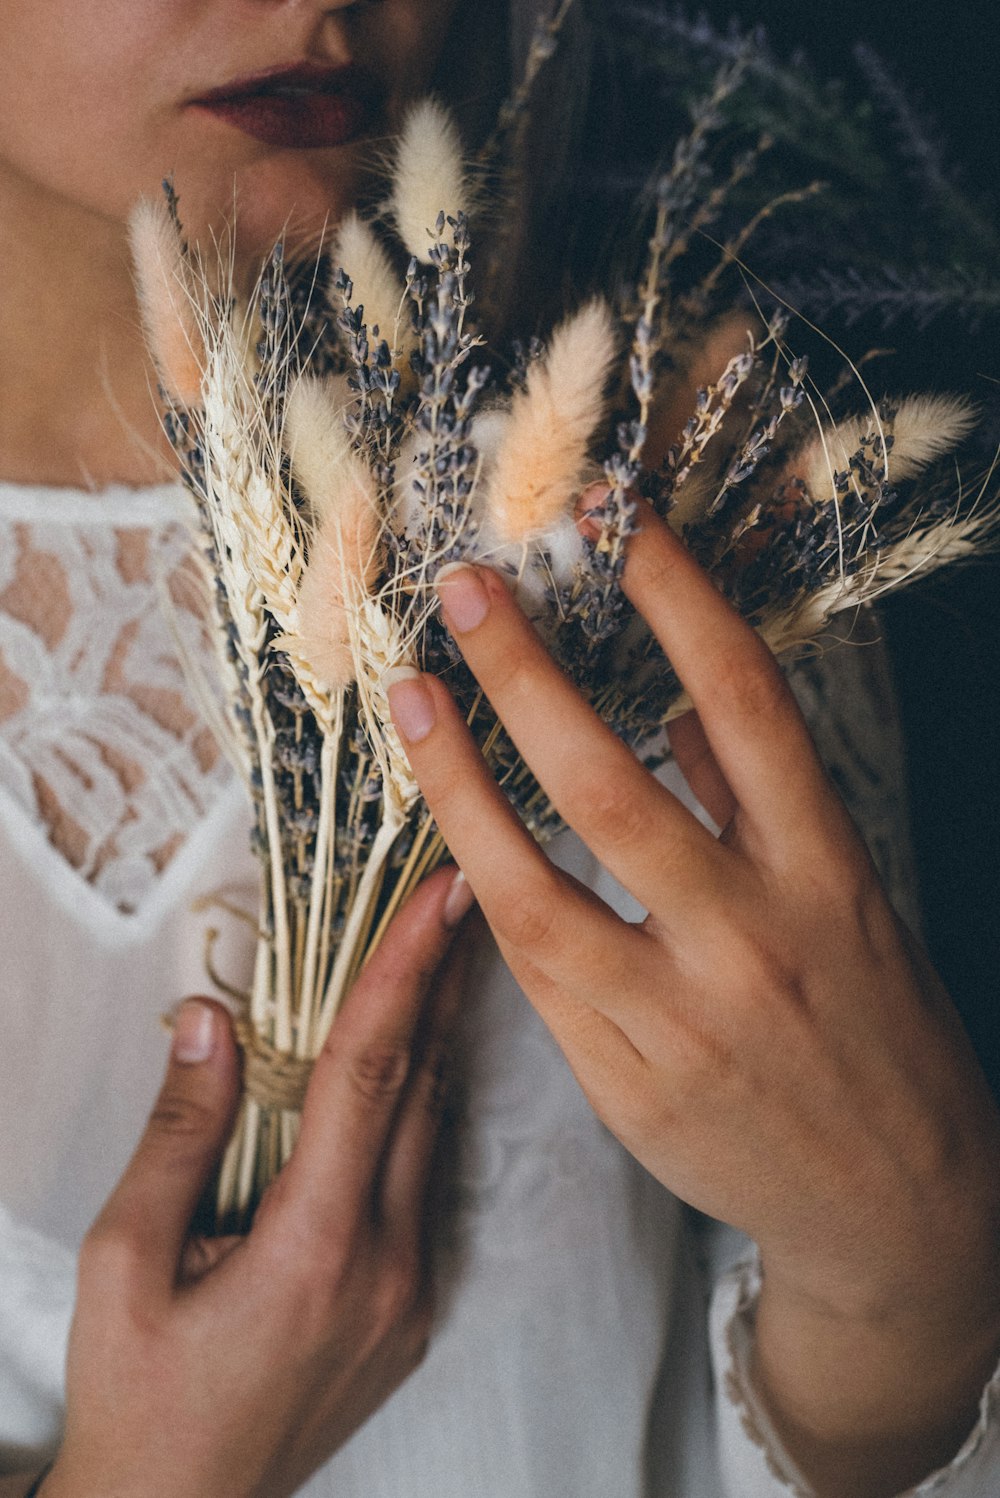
(77, 396)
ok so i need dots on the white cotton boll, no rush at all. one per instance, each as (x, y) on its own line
(377, 288)
(485, 436)
(318, 443)
(546, 564)
(428, 178)
(564, 546)
(488, 429)
(166, 302)
(542, 462)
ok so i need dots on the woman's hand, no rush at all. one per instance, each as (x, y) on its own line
(225, 1368)
(769, 1042)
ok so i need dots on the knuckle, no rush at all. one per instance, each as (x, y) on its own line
(642, 1115)
(109, 1253)
(702, 1060)
(399, 1290)
(378, 1071)
(514, 674)
(182, 1118)
(615, 815)
(530, 917)
(750, 685)
(319, 1285)
(759, 974)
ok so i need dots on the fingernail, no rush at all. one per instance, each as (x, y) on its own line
(588, 504)
(464, 599)
(410, 703)
(194, 1033)
(459, 902)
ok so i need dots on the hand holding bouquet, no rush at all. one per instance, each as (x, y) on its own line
(343, 454)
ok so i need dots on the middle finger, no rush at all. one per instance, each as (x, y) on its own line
(639, 831)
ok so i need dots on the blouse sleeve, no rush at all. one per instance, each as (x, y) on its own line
(751, 1457)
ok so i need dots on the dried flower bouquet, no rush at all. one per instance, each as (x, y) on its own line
(342, 452)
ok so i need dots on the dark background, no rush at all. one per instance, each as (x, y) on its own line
(944, 634)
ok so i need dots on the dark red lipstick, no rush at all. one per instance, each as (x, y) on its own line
(304, 107)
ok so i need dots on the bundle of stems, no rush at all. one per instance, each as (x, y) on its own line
(340, 453)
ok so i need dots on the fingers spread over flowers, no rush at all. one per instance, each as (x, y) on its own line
(639, 831)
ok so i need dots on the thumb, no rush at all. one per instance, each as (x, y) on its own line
(370, 1056)
(149, 1214)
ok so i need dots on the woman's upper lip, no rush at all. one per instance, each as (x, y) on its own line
(300, 77)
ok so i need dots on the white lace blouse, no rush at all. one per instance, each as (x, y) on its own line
(592, 1337)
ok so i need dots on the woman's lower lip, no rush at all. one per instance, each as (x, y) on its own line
(294, 121)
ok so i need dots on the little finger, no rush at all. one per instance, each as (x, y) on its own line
(413, 1148)
(696, 762)
(751, 720)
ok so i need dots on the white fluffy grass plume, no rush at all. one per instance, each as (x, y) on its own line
(924, 427)
(542, 461)
(343, 553)
(376, 286)
(317, 441)
(428, 177)
(166, 301)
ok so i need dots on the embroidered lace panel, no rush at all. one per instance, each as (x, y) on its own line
(101, 747)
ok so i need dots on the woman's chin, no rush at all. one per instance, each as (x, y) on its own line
(296, 197)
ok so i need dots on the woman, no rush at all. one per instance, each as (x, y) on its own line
(769, 1043)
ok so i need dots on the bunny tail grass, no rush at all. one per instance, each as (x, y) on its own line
(166, 301)
(377, 288)
(543, 455)
(428, 178)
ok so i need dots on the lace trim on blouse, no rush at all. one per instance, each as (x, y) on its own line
(104, 758)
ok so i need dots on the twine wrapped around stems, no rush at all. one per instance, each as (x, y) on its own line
(271, 1077)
